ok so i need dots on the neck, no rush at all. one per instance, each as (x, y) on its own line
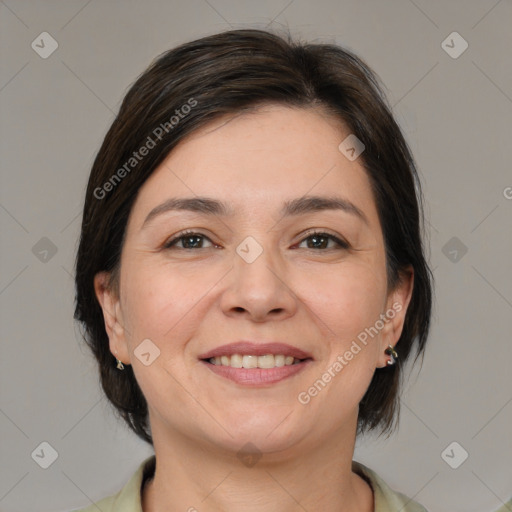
(201, 478)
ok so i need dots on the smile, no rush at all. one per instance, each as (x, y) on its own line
(246, 369)
(253, 361)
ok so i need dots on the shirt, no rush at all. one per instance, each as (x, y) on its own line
(128, 499)
(507, 507)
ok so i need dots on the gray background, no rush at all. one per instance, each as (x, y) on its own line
(456, 114)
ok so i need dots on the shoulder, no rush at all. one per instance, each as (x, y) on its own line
(385, 498)
(128, 499)
(506, 507)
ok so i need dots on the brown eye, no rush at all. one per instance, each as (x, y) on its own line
(320, 240)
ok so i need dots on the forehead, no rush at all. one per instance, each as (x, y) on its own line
(259, 159)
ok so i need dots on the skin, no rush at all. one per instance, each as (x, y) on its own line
(188, 301)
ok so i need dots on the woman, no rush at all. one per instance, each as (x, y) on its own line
(251, 276)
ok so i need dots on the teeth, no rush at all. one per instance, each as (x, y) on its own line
(267, 361)
(235, 361)
(250, 361)
(279, 360)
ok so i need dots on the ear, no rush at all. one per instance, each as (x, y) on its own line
(394, 316)
(112, 314)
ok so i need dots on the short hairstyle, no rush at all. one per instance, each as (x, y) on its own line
(228, 73)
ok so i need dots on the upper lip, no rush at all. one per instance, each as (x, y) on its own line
(256, 349)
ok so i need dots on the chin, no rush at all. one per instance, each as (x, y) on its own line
(266, 432)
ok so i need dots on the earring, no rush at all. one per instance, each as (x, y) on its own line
(390, 351)
(120, 365)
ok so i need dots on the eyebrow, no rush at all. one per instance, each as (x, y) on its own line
(213, 207)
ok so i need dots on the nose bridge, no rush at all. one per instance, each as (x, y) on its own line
(258, 284)
(256, 261)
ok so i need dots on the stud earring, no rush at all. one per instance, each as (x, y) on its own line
(390, 351)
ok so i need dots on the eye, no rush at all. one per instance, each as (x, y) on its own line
(320, 240)
(193, 240)
(188, 239)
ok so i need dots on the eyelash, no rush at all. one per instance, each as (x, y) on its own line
(341, 243)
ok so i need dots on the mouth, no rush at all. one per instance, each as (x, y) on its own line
(249, 361)
(254, 364)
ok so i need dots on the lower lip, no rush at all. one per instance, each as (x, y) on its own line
(257, 376)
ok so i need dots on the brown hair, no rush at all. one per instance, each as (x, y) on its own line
(228, 73)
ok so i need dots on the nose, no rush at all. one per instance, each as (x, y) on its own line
(260, 289)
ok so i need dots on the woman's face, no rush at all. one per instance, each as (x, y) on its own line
(256, 273)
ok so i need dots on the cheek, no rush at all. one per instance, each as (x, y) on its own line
(348, 299)
(160, 302)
